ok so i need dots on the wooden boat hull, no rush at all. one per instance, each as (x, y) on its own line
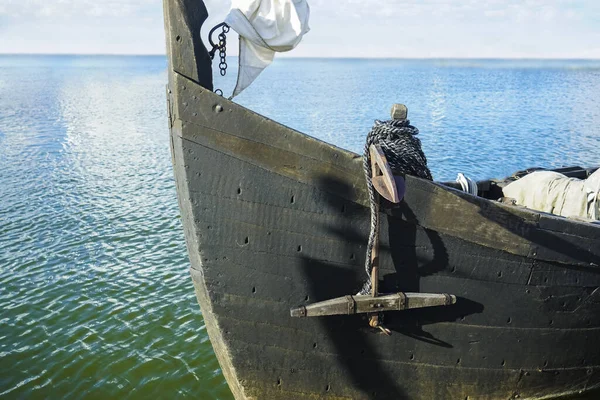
(274, 219)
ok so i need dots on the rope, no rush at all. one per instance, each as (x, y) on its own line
(403, 152)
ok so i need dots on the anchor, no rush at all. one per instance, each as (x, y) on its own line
(392, 188)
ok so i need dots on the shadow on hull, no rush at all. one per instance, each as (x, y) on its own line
(274, 219)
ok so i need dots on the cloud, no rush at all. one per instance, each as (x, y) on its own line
(453, 10)
(81, 26)
(341, 28)
(65, 9)
(452, 28)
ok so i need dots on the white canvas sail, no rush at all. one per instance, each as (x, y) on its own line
(265, 27)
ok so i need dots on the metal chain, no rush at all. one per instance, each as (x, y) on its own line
(222, 47)
(223, 50)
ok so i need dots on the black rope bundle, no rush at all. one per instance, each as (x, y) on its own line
(403, 152)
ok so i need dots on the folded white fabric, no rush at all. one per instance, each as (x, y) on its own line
(554, 193)
(265, 27)
(467, 184)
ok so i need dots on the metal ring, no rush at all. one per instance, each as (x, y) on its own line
(222, 24)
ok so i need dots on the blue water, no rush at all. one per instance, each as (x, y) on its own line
(96, 300)
(483, 118)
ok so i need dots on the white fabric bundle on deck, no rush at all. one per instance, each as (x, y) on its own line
(265, 27)
(554, 193)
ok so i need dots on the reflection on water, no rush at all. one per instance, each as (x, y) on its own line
(96, 297)
(97, 300)
(483, 118)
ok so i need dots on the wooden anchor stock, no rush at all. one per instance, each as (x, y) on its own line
(349, 305)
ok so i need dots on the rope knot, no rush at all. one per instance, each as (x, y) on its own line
(403, 152)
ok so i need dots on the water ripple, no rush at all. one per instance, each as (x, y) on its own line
(97, 299)
(96, 296)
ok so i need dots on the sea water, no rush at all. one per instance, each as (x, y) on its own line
(95, 295)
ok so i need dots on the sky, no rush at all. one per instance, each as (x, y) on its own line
(339, 28)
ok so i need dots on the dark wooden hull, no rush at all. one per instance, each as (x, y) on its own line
(275, 219)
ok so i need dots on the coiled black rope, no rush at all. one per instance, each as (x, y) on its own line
(403, 152)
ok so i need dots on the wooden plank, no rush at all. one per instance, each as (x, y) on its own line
(198, 107)
(192, 237)
(350, 371)
(570, 227)
(282, 162)
(554, 274)
(300, 282)
(491, 224)
(185, 50)
(439, 345)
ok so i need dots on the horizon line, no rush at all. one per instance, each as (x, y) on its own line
(318, 57)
